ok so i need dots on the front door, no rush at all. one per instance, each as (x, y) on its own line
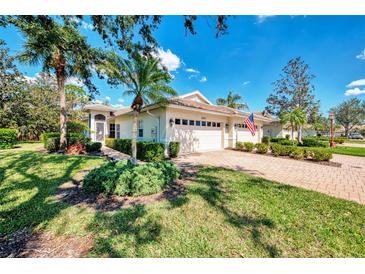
(99, 132)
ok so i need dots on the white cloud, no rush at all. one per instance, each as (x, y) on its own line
(262, 18)
(356, 83)
(191, 70)
(98, 101)
(83, 24)
(107, 98)
(168, 59)
(118, 106)
(361, 56)
(246, 83)
(74, 81)
(30, 79)
(355, 91)
(203, 79)
(121, 100)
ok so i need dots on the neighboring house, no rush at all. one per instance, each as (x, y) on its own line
(277, 129)
(190, 119)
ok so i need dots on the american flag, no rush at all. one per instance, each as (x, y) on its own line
(251, 124)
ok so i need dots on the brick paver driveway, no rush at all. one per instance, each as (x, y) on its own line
(347, 181)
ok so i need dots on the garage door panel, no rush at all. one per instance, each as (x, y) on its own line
(195, 140)
(246, 136)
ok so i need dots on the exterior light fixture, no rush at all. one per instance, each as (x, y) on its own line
(171, 122)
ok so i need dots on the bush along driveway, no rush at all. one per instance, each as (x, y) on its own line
(222, 213)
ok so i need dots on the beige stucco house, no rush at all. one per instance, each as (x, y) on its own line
(190, 119)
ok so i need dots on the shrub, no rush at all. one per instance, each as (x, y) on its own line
(339, 140)
(276, 149)
(76, 149)
(262, 148)
(239, 145)
(76, 127)
(297, 153)
(310, 142)
(276, 139)
(286, 142)
(146, 151)
(321, 155)
(93, 146)
(102, 179)
(287, 136)
(265, 140)
(124, 178)
(7, 137)
(280, 150)
(52, 144)
(72, 139)
(248, 146)
(110, 142)
(174, 149)
(150, 151)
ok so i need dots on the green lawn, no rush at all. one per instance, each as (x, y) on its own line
(225, 213)
(353, 141)
(353, 151)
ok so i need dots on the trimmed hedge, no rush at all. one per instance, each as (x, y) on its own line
(248, 146)
(174, 149)
(310, 142)
(123, 178)
(276, 139)
(288, 142)
(8, 137)
(265, 140)
(239, 145)
(146, 151)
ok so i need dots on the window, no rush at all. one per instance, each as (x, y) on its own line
(140, 128)
(213, 124)
(184, 122)
(191, 122)
(177, 122)
(218, 124)
(197, 123)
(112, 130)
(100, 117)
(117, 131)
(239, 125)
(244, 126)
(204, 123)
(209, 124)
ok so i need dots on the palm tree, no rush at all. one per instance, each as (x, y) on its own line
(296, 118)
(59, 49)
(232, 101)
(144, 79)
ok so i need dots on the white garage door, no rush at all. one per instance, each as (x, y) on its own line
(244, 135)
(197, 140)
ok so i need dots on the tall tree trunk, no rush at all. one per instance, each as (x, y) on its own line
(347, 131)
(300, 133)
(292, 132)
(134, 137)
(60, 75)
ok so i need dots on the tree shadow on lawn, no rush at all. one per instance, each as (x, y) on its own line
(36, 209)
(210, 189)
(124, 233)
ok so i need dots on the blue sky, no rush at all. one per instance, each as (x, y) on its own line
(250, 57)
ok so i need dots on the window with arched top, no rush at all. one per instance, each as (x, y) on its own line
(100, 117)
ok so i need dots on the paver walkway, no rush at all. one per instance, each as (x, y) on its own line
(351, 145)
(347, 181)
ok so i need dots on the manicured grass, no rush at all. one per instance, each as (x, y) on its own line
(28, 180)
(225, 213)
(354, 141)
(353, 151)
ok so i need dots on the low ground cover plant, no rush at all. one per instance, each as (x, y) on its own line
(124, 178)
(8, 137)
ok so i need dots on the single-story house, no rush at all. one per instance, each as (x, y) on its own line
(190, 119)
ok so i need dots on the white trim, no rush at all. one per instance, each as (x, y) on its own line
(196, 92)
